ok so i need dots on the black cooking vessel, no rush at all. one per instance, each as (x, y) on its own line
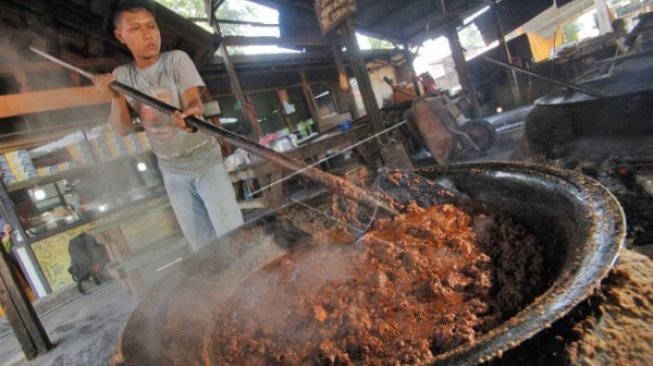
(567, 115)
(578, 221)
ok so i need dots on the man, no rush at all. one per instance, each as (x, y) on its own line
(194, 175)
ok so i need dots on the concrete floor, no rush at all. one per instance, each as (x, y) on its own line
(86, 329)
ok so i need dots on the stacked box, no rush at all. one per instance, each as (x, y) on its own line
(116, 144)
(145, 142)
(7, 176)
(20, 165)
(66, 165)
(51, 169)
(81, 153)
(43, 171)
(132, 143)
(48, 170)
(57, 168)
(101, 149)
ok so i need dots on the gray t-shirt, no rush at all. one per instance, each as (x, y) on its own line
(166, 80)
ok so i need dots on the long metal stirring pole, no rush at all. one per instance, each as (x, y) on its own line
(335, 183)
(343, 151)
(63, 63)
(330, 217)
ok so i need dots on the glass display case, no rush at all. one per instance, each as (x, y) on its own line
(50, 204)
(79, 178)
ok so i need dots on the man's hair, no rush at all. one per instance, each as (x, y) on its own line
(120, 6)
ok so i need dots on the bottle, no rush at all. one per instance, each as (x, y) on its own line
(309, 125)
(301, 127)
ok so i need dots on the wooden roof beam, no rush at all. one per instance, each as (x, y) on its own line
(48, 100)
(274, 41)
(43, 66)
(244, 22)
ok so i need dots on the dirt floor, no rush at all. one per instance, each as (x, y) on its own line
(85, 328)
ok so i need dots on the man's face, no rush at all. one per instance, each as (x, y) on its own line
(139, 32)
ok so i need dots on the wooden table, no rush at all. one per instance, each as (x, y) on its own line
(267, 172)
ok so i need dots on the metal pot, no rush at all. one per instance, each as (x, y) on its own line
(566, 117)
(579, 221)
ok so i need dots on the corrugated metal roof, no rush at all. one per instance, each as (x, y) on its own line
(408, 20)
(396, 20)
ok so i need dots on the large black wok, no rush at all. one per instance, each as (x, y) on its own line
(563, 118)
(578, 220)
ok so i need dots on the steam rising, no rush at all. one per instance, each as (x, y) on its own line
(269, 299)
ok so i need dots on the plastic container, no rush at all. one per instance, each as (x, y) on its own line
(345, 126)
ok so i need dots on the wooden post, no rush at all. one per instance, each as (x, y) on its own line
(340, 66)
(364, 84)
(282, 97)
(461, 67)
(238, 92)
(225, 147)
(26, 325)
(342, 76)
(18, 104)
(409, 58)
(310, 99)
(501, 36)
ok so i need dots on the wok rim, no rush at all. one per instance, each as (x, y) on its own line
(558, 300)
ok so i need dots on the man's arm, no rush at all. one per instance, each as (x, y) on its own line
(192, 105)
(190, 85)
(120, 118)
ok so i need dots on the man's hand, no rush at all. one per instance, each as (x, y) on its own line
(102, 82)
(196, 110)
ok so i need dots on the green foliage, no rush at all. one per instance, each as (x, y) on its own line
(379, 44)
(572, 31)
(231, 10)
(186, 8)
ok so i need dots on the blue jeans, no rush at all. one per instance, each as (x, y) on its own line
(204, 203)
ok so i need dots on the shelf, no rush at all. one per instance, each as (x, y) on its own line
(41, 180)
(131, 208)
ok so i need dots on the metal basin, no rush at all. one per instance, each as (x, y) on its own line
(578, 220)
